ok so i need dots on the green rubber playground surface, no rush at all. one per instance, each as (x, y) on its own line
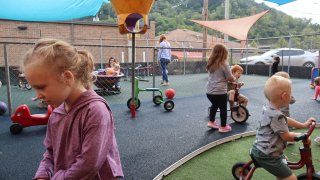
(217, 162)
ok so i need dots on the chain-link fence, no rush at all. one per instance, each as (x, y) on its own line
(186, 70)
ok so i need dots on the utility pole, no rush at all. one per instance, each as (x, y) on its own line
(205, 31)
(226, 16)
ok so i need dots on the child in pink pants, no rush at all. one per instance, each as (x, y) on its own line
(316, 87)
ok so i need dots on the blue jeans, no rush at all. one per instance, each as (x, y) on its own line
(164, 63)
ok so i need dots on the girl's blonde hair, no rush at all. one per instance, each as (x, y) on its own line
(218, 57)
(60, 56)
(162, 38)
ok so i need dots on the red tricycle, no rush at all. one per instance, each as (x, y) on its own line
(23, 118)
(245, 171)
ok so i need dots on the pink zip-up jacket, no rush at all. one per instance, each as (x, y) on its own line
(81, 144)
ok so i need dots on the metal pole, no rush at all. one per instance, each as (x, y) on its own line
(101, 48)
(133, 105)
(7, 77)
(289, 54)
(184, 59)
(247, 46)
(205, 30)
(226, 16)
(147, 54)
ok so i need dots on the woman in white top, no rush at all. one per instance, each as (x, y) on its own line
(164, 56)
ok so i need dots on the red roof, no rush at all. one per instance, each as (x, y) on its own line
(181, 54)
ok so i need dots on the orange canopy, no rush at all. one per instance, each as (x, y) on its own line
(237, 28)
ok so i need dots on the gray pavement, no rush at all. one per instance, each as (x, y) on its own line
(155, 139)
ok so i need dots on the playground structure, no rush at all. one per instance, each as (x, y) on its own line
(129, 17)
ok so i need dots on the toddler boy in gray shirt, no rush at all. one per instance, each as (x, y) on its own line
(272, 129)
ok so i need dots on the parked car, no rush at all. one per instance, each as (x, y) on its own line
(297, 57)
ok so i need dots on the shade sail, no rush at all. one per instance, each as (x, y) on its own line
(48, 10)
(237, 28)
(280, 2)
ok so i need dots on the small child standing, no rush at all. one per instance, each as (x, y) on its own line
(80, 140)
(272, 129)
(219, 75)
(275, 64)
(116, 72)
(316, 88)
(236, 71)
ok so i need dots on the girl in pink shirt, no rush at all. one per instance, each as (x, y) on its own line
(80, 140)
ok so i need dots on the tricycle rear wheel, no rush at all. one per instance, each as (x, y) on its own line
(157, 100)
(240, 114)
(236, 169)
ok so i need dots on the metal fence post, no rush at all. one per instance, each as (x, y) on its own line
(7, 77)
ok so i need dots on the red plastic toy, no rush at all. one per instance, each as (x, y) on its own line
(22, 118)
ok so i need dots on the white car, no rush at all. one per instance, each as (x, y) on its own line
(293, 56)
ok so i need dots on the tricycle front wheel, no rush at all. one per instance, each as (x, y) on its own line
(168, 105)
(137, 103)
(304, 176)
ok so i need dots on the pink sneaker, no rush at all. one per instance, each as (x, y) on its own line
(213, 125)
(225, 129)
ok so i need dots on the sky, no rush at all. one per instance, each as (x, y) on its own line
(309, 9)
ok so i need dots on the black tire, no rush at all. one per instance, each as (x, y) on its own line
(308, 64)
(16, 128)
(168, 105)
(137, 102)
(27, 86)
(303, 176)
(259, 63)
(157, 100)
(236, 168)
(240, 115)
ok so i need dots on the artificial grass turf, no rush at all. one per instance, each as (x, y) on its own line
(217, 162)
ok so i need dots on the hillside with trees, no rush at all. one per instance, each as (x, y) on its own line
(176, 14)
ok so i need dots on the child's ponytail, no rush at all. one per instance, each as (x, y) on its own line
(85, 68)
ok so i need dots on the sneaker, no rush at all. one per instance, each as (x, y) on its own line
(225, 129)
(165, 84)
(213, 125)
(317, 140)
